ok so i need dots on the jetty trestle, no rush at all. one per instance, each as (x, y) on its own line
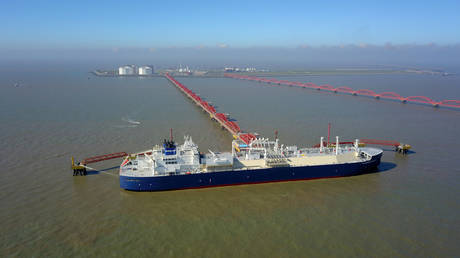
(79, 169)
(448, 103)
(231, 126)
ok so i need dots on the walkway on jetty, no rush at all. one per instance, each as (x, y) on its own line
(347, 90)
(231, 126)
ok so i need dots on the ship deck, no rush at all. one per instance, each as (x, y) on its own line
(144, 162)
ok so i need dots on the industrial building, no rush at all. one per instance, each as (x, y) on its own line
(145, 70)
(126, 70)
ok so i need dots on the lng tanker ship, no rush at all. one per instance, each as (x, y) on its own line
(172, 166)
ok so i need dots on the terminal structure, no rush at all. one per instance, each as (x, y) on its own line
(247, 139)
(347, 90)
(231, 126)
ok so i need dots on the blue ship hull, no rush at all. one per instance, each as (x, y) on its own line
(225, 178)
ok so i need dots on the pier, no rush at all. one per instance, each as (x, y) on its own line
(231, 126)
(80, 167)
(347, 90)
(398, 146)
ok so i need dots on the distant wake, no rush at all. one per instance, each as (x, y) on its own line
(131, 123)
(129, 120)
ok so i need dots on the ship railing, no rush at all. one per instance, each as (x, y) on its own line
(175, 173)
(316, 150)
(325, 150)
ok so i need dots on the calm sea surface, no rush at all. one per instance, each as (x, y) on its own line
(411, 207)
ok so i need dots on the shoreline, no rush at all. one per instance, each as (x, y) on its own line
(220, 74)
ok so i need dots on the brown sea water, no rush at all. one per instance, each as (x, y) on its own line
(409, 208)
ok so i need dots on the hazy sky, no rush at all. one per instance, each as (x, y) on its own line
(240, 24)
(285, 33)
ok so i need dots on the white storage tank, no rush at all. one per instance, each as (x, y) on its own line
(121, 70)
(126, 70)
(145, 70)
